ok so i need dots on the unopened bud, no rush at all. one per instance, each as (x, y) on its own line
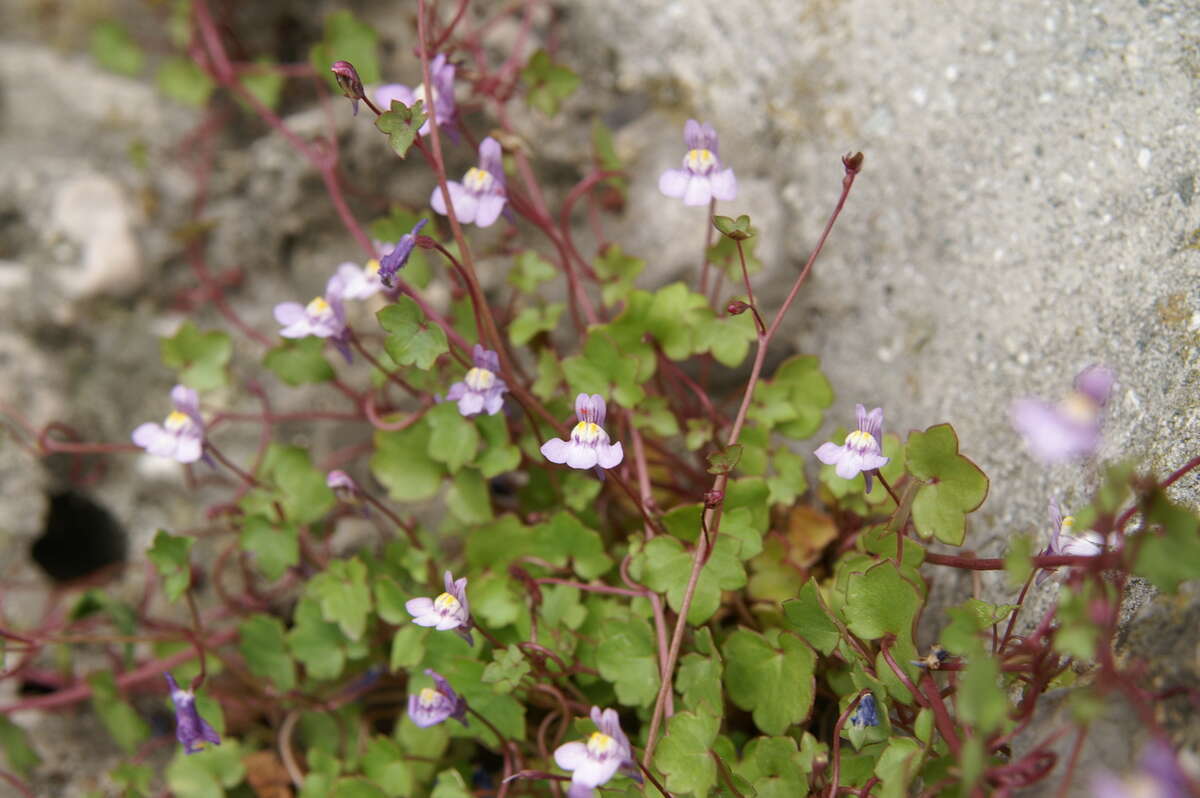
(713, 499)
(736, 308)
(348, 80)
(853, 162)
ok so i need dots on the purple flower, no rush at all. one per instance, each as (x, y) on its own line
(480, 196)
(181, 435)
(432, 705)
(347, 79)
(190, 729)
(1071, 428)
(342, 484)
(481, 389)
(449, 611)
(442, 72)
(1063, 539)
(595, 762)
(397, 257)
(323, 317)
(1159, 776)
(588, 446)
(359, 282)
(862, 452)
(701, 178)
(866, 713)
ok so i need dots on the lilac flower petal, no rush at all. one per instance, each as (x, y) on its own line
(1095, 382)
(186, 401)
(830, 453)
(419, 606)
(456, 392)
(1049, 433)
(693, 135)
(851, 464)
(288, 313)
(147, 434)
(393, 91)
(491, 157)
(188, 450)
(494, 402)
(580, 790)
(598, 409)
(583, 405)
(447, 623)
(490, 206)
(556, 450)
(594, 772)
(674, 182)
(582, 457)
(723, 185)
(698, 192)
(470, 403)
(569, 756)
(610, 456)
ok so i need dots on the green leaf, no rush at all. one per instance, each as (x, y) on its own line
(898, 766)
(184, 82)
(21, 756)
(276, 547)
(344, 595)
(199, 357)
(408, 647)
(402, 124)
(121, 720)
(287, 478)
(967, 620)
(402, 463)
(605, 153)
(725, 460)
(954, 485)
(789, 480)
(507, 668)
(530, 271)
(300, 361)
(1170, 555)
(265, 83)
(565, 539)
(794, 399)
(664, 565)
(771, 675)
(352, 787)
(115, 50)
(629, 659)
(263, 645)
(531, 321)
(810, 620)
(133, 779)
(981, 702)
(549, 375)
(1018, 560)
(453, 438)
(170, 555)
(384, 763)
(548, 84)
(699, 678)
(412, 339)
(206, 774)
(498, 455)
(494, 599)
(682, 755)
(450, 784)
(738, 229)
(775, 767)
(614, 264)
(315, 642)
(880, 602)
(347, 39)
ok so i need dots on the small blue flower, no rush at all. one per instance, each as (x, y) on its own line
(481, 390)
(866, 713)
(862, 452)
(589, 445)
(181, 435)
(481, 196)
(190, 729)
(1071, 428)
(701, 179)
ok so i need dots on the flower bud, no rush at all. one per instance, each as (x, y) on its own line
(713, 499)
(736, 308)
(347, 79)
(853, 162)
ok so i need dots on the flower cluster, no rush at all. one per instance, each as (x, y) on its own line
(1071, 428)
(862, 451)
(190, 729)
(181, 435)
(589, 444)
(449, 611)
(593, 763)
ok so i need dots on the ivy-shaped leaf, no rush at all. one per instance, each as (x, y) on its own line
(263, 644)
(200, 357)
(453, 438)
(548, 83)
(683, 755)
(402, 123)
(344, 595)
(170, 555)
(412, 338)
(402, 463)
(347, 39)
(300, 361)
(771, 675)
(954, 486)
